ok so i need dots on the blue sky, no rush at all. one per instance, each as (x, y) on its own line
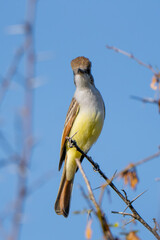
(63, 31)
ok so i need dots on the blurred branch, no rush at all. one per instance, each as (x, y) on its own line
(124, 198)
(157, 179)
(13, 159)
(148, 100)
(12, 69)
(27, 118)
(7, 148)
(155, 84)
(132, 57)
(37, 184)
(145, 100)
(129, 173)
(2, 231)
(100, 215)
(40, 182)
(5, 144)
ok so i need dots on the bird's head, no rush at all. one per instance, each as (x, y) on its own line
(81, 67)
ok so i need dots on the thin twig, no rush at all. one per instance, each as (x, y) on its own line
(148, 100)
(127, 202)
(103, 187)
(155, 224)
(133, 165)
(99, 213)
(132, 57)
(155, 79)
(132, 220)
(133, 199)
(86, 197)
(123, 213)
(88, 184)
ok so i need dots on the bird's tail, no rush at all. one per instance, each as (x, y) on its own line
(62, 203)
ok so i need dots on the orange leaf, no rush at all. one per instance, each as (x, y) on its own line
(153, 83)
(132, 236)
(126, 179)
(130, 176)
(133, 179)
(88, 232)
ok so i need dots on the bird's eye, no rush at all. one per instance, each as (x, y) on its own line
(80, 70)
(87, 71)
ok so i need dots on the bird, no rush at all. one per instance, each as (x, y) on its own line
(83, 123)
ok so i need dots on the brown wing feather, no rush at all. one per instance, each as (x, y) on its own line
(71, 115)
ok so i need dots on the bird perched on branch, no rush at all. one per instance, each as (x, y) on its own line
(84, 122)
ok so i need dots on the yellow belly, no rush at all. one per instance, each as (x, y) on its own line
(87, 126)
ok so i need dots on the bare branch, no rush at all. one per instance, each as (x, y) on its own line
(145, 100)
(99, 213)
(27, 119)
(155, 78)
(148, 100)
(128, 203)
(132, 220)
(12, 69)
(156, 225)
(86, 197)
(40, 182)
(103, 187)
(132, 57)
(10, 160)
(123, 213)
(133, 165)
(133, 199)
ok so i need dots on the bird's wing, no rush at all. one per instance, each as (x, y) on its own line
(71, 115)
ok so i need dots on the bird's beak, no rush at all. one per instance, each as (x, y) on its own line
(80, 71)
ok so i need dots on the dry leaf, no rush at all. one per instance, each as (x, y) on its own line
(88, 232)
(155, 81)
(133, 179)
(132, 236)
(130, 176)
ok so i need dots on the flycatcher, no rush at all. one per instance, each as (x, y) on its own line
(84, 121)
